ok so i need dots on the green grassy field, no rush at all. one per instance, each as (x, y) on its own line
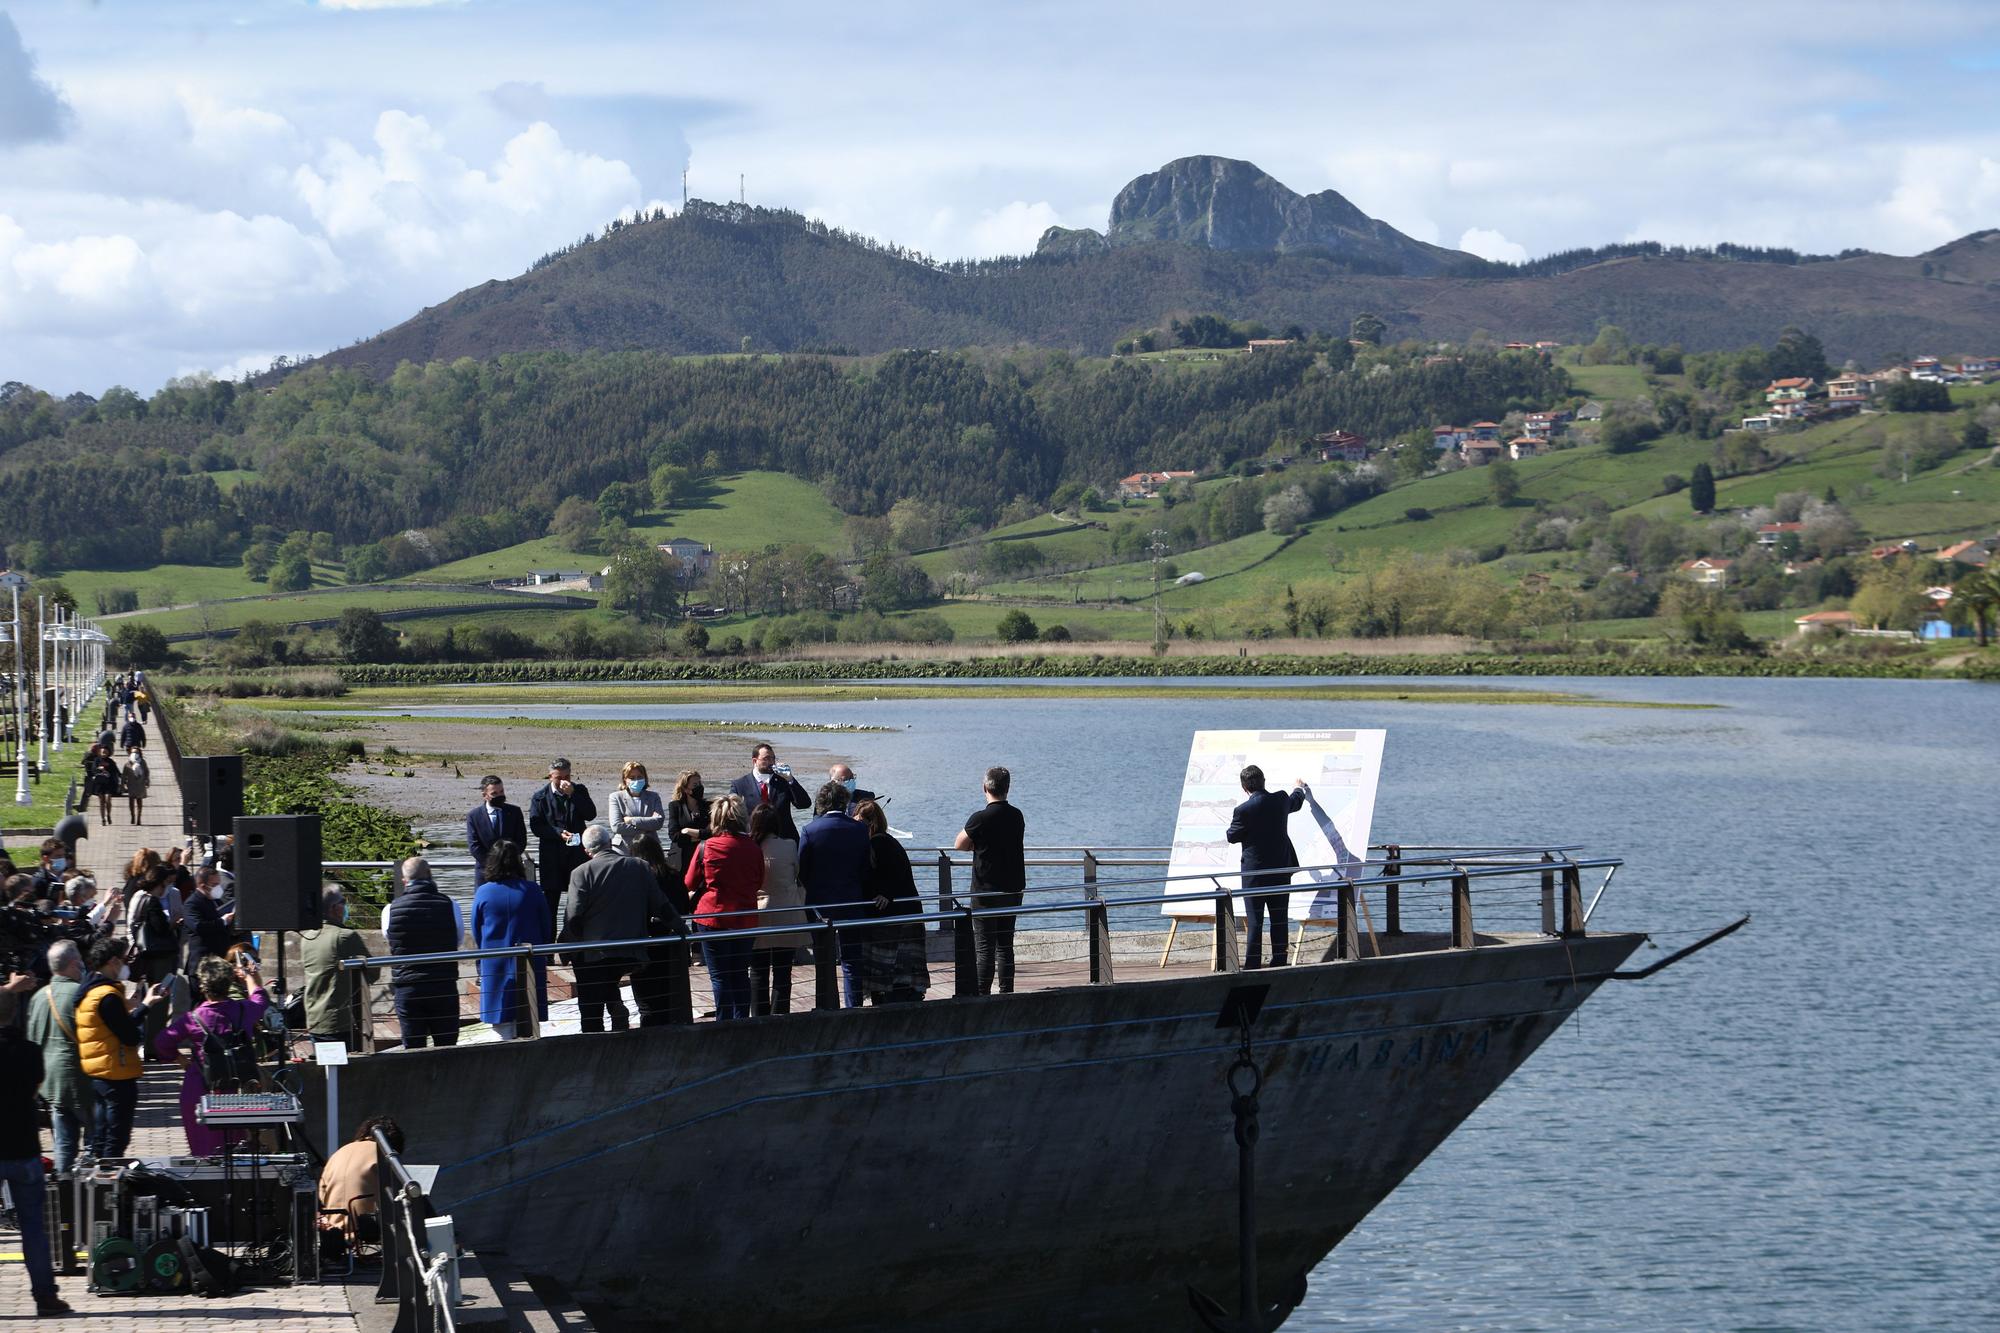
(172, 585)
(287, 608)
(741, 511)
(1609, 383)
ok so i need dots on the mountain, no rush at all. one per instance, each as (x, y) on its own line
(1201, 234)
(1224, 204)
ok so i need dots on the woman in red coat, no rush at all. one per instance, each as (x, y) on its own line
(725, 874)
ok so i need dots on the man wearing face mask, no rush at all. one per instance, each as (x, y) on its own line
(558, 813)
(493, 821)
(55, 859)
(209, 927)
(109, 1035)
(771, 783)
(844, 775)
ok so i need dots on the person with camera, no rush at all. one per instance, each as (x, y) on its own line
(212, 1043)
(21, 1148)
(109, 1041)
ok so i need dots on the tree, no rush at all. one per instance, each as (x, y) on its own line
(1701, 489)
(575, 523)
(1506, 483)
(893, 583)
(257, 558)
(1016, 627)
(1976, 436)
(1975, 600)
(643, 581)
(361, 636)
(290, 572)
(672, 485)
(1893, 595)
(1916, 396)
(1284, 510)
(1797, 354)
(139, 646)
(621, 500)
(367, 564)
(1368, 328)
(694, 638)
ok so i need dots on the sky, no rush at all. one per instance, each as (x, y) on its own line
(196, 187)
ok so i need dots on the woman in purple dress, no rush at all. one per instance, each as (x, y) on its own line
(181, 1039)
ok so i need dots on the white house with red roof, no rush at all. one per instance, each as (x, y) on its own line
(1708, 569)
(1793, 389)
(1825, 622)
(1773, 533)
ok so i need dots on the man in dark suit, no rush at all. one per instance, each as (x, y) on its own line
(772, 784)
(492, 821)
(1268, 860)
(558, 813)
(834, 866)
(856, 794)
(611, 897)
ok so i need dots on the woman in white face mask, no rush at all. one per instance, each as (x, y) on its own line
(635, 807)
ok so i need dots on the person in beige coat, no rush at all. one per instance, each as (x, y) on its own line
(781, 902)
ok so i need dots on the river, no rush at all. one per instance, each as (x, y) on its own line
(1797, 1130)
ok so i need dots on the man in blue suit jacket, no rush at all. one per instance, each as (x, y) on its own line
(767, 784)
(492, 821)
(1268, 859)
(834, 864)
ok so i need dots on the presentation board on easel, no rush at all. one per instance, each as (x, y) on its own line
(1340, 769)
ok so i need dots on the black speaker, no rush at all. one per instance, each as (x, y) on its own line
(277, 872)
(212, 790)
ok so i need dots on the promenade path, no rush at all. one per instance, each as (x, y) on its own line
(308, 1308)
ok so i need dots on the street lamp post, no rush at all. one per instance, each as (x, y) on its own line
(21, 797)
(42, 679)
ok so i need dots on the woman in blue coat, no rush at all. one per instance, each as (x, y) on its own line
(509, 910)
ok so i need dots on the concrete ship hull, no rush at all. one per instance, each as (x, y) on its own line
(1055, 1160)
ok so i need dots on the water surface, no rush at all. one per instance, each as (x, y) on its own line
(1799, 1130)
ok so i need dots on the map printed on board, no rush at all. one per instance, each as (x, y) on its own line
(1341, 769)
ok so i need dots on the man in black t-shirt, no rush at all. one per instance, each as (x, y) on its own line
(995, 835)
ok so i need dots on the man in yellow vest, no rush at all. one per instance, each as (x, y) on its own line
(109, 1036)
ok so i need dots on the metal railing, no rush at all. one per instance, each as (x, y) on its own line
(419, 1250)
(1521, 891)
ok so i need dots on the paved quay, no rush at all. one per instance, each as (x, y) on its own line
(306, 1308)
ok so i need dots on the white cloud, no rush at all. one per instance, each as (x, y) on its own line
(1013, 229)
(385, 4)
(1491, 245)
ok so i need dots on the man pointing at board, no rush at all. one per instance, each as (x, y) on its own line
(1268, 859)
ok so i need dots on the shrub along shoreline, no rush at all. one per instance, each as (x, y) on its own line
(1030, 667)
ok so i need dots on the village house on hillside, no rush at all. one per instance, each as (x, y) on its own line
(1341, 446)
(1707, 569)
(1481, 451)
(1146, 485)
(1773, 533)
(1825, 622)
(1973, 554)
(696, 557)
(1795, 389)
(1543, 425)
(1448, 438)
(1524, 446)
(1850, 388)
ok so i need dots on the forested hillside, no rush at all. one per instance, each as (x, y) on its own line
(706, 280)
(497, 447)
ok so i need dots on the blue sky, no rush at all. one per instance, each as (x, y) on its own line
(191, 187)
